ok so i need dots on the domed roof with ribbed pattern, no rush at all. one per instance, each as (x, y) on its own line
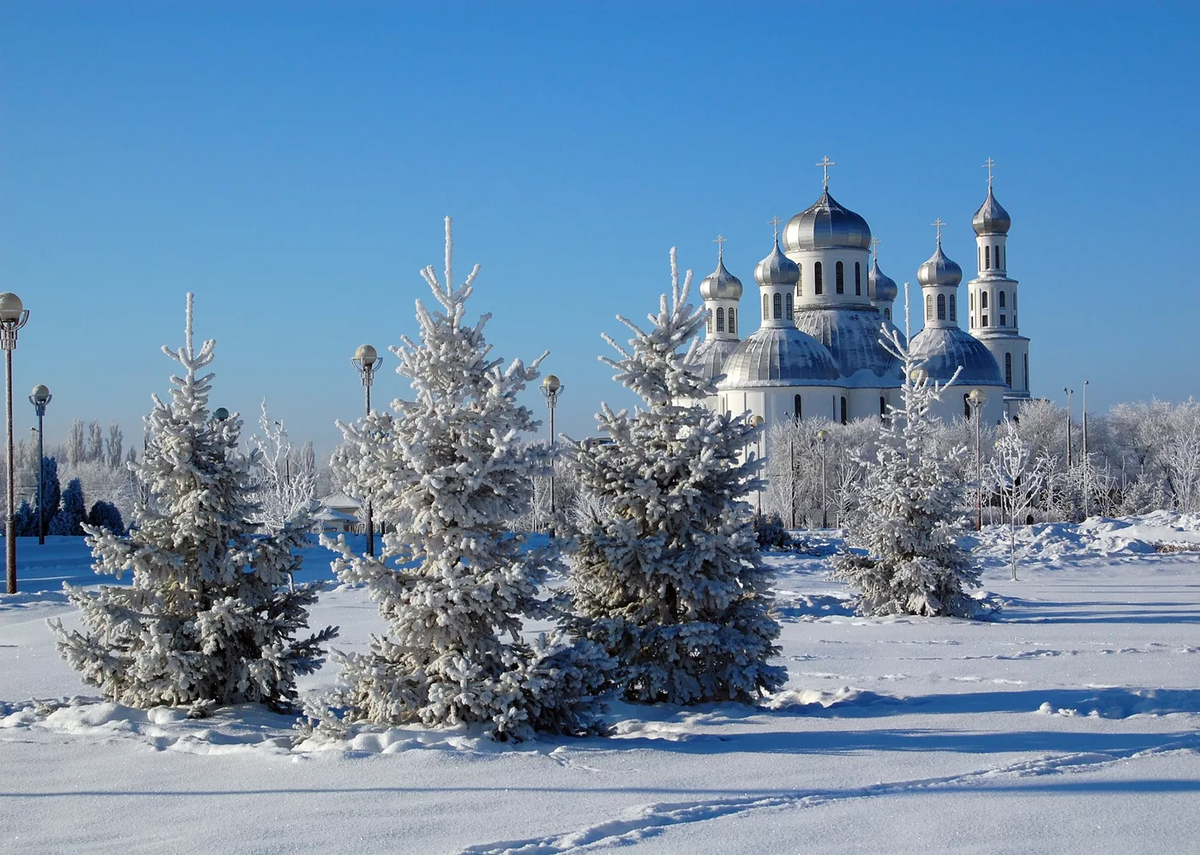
(710, 355)
(826, 224)
(882, 286)
(947, 348)
(779, 356)
(939, 270)
(991, 218)
(851, 334)
(777, 269)
(721, 284)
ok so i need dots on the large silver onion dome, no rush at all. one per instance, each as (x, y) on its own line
(721, 284)
(946, 348)
(939, 270)
(991, 218)
(882, 286)
(825, 224)
(779, 356)
(777, 269)
(710, 355)
(851, 334)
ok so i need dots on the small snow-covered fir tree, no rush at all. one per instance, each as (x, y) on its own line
(908, 519)
(449, 473)
(68, 522)
(667, 574)
(207, 618)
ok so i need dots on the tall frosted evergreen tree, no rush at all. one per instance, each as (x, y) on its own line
(667, 575)
(908, 523)
(68, 522)
(207, 617)
(449, 472)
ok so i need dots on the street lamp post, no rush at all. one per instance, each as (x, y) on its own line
(757, 423)
(366, 360)
(552, 387)
(977, 399)
(1086, 460)
(40, 398)
(13, 316)
(1069, 393)
(822, 438)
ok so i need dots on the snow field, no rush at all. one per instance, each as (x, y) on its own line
(1067, 724)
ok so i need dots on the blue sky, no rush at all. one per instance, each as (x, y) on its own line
(291, 163)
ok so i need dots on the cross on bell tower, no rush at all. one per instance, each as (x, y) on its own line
(720, 242)
(825, 164)
(938, 225)
(989, 166)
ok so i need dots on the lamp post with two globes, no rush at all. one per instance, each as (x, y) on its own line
(366, 360)
(13, 316)
(40, 398)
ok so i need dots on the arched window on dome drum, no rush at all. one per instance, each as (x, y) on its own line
(887, 313)
(1026, 386)
(818, 281)
(800, 281)
(967, 407)
(710, 319)
(1003, 320)
(996, 255)
(844, 409)
(929, 307)
(798, 408)
(953, 308)
(971, 301)
(1014, 307)
(983, 299)
(1008, 369)
(983, 322)
(858, 279)
(766, 308)
(1001, 299)
(720, 320)
(778, 304)
(941, 304)
(987, 258)
(787, 305)
(733, 322)
(840, 276)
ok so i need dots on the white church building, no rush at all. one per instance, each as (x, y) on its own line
(822, 300)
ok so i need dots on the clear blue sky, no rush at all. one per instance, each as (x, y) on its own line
(291, 163)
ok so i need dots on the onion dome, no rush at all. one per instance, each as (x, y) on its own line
(991, 218)
(779, 356)
(851, 334)
(939, 270)
(721, 284)
(882, 286)
(945, 349)
(826, 224)
(777, 269)
(709, 356)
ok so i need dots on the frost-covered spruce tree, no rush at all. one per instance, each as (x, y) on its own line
(908, 520)
(449, 473)
(207, 618)
(667, 574)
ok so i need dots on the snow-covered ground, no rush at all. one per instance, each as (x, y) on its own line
(1067, 724)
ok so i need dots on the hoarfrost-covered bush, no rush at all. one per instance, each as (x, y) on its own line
(667, 575)
(207, 617)
(449, 473)
(909, 522)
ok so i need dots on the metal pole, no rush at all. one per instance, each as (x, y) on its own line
(792, 474)
(978, 469)
(1068, 392)
(758, 493)
(10, 523)
(1087, 461)
(41, 489)
(824, 504)
(552, 401)
(370, 519)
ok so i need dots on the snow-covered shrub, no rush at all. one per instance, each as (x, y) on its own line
(770, 532)
(68, 522)
(909, 520)
(449, 473)
(107, 516)
(285, 479)
(207, 618)
(667, 574)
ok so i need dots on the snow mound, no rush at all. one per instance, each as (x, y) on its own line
(1096, 537)
(1118, 703)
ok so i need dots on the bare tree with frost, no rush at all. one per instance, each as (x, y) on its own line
(1018, 478)
(908, 524)
(667, 574)
(207, 617)
(286, 480)
(450, 472)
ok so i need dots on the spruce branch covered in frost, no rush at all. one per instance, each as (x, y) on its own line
(908, 521)
(449, 473)
(667, 574)
(207, 618)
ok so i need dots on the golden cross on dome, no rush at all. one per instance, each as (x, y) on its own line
(825, 164)
(989, 166)
(720, 241)
(775, 221)
(875, 242)
(938, 224)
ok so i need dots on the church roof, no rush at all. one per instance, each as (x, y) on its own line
(991, 218)
(720, 284)
(939, 270)
(852, 335)
(826, 223)
(882, 286)
(779, 356)
(777, 269)
(710, 355)
(947, 348)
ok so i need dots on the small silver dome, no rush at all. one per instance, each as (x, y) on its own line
(779, 356)
(777, 269)
(991, 218)
(882, 286)
(721, 284)
(851, 334)
(710, 355)
(826, 224)
(946, 348)
(939, 270)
